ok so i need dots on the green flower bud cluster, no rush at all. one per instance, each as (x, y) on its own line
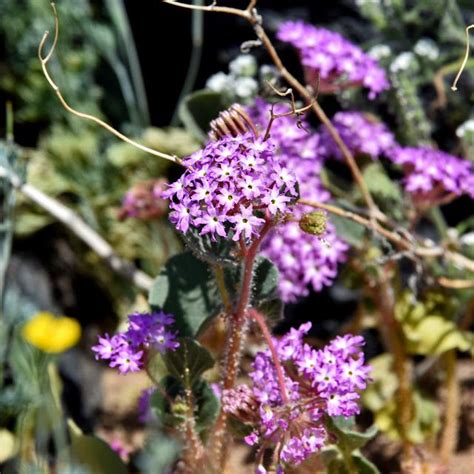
(314, 223)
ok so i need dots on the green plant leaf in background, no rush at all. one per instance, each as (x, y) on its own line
(170, 406)
(352, 232)
(198, 109)
(426, 330)
(189, 361)
(264, 295)
(159, 453)
(186, 288)
(386, 191)
(96, 455)
(424, 425)
(348, 439)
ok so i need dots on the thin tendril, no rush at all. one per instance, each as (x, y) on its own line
(44, 63)
(466, 57)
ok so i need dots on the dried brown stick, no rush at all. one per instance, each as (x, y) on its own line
(88, 235)
(400, 241)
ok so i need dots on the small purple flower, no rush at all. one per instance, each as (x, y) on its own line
(127, 361)
(246, 223)
(106, 347)
(126, 350)
(361, 134)
(331, 58)
(430, 174)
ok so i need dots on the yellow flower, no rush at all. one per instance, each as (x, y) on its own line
(50, 333)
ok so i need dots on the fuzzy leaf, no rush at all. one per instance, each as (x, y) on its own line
(424, 425)
(158, 454)
(435, 335)
(206, 404)
(189, 361)
(380, 184)
(186, 289)
(96, 455)
(264, 287)
(363, 465)
(348, 439)
(197, 111)
(350, 231)
(384, 383)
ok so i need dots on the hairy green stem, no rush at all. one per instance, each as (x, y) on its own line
(234, 348)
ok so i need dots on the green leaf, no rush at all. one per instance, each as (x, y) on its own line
(350, 231)
(348, 440)
(198, 109)
(96, 455)
(170, 406)
(265, 279)
(424, 425)
(363, 465)
(186, 289)
(158, 455)
(380, 184)
(189, 361)
(264, 295)
(384, 383)
(336, 466)
(209, 406)
(434, 335)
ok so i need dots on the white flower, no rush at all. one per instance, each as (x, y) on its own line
(466, 128)
(245, 87)
(380, 51)
(403, 62)
(427, 48)
(243, 65)
(219, 82)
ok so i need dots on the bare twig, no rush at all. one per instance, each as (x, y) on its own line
(44, 65)
(400, 241)
(464, 61)
(88, 235)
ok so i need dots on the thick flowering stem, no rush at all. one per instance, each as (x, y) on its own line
(449, 437)
(260, 320)
(234, 344)
(391, 333)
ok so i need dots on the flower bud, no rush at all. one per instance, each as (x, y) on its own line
(314, 223)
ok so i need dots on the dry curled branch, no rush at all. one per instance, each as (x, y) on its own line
(464, 61)
(44, 60)
(401, 241)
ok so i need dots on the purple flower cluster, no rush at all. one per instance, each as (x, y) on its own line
(432, 172)
(361, 134)
(126, 350)
(318, 382)
(331, 57)
(303, 260)
(230, 187)
(144, 201)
